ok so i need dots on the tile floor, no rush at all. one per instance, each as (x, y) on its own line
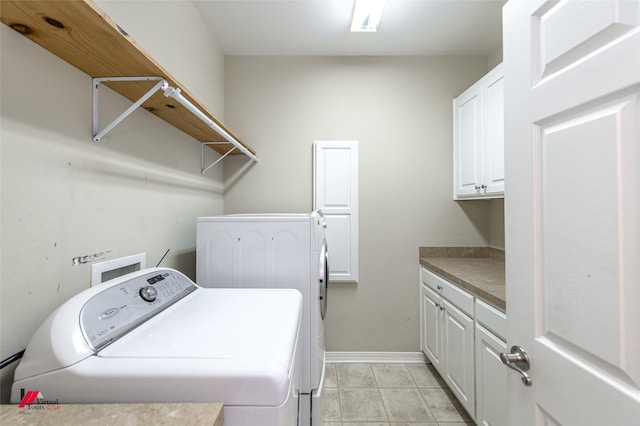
(389, 395)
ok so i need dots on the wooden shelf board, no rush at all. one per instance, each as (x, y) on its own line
(84, 36)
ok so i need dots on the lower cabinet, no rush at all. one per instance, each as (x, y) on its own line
(491, 379)
(463, 337)
(458, 369)
(448, 336)
(491, 374)
(431, 326)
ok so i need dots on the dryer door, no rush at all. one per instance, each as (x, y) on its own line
(323, 278)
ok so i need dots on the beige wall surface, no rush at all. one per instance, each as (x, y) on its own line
(399, 109)
(175, 35)
(138, 190)
(495, 57)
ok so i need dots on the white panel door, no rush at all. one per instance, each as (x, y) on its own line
(467, 110)
(459, 353)
(572, 209)
(432, 326)
(491, 379)
(335, 192)
(493, 144)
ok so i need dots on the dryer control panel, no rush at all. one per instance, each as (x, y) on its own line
(127, 304)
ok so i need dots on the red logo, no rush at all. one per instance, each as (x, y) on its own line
(30, 398)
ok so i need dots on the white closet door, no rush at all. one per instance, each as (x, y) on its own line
(335, 192)
(572, 209)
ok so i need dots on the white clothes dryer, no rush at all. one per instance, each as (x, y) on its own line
(274, 251)
(155, 336)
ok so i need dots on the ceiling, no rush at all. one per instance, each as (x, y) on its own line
(321, 27)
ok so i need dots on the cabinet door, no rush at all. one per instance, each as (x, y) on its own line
(459, 351)
(478, 139)
(335, 192)
(493, 141)
(431, 326)
(491, 379)
(467, 133)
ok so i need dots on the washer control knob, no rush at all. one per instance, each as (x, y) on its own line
(148, 293)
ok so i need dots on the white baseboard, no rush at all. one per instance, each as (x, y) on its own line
(375, 357)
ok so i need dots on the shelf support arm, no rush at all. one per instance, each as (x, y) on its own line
(97, 135)
(170, 92)
(204, 169)
(175, 94)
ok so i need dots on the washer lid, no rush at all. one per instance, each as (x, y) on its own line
(219, 323)
(245, 337)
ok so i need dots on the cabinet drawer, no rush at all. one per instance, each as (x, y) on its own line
(451, 292)
(492, 319)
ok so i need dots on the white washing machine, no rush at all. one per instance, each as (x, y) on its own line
(274, 251)
(154, 336)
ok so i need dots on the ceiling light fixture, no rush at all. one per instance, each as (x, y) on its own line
(366, 15)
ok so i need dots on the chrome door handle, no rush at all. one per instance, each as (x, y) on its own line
(517, 360)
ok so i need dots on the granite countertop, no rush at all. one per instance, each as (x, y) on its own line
(210, 414)
(479, 270)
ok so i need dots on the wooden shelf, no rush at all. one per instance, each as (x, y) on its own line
(84, 36)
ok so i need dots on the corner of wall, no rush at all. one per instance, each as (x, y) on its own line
(494, 58)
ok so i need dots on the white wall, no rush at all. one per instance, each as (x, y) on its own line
(139, 190)
(173, 33)
(400, 111)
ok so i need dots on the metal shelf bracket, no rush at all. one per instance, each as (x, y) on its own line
(170, 92)
(204, 169)
(98, 134)
(175, 94)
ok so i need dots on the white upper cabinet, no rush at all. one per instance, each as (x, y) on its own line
(478, 139)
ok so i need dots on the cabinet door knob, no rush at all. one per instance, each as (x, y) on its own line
(439, 287)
